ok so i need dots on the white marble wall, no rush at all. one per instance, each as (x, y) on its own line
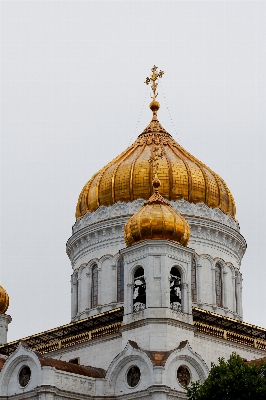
(4, 321)
(157, 264)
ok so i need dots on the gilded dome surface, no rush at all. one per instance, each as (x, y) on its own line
(4, 300)
(129, 176)
(156, 219)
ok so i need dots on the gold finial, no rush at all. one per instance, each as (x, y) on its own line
(155, 105)
(155, 160)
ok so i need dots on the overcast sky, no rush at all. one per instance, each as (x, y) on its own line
(72, 93)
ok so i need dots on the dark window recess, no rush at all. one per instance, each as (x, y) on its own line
(193, 280)
(175, 290)
(94, 287)
(139, 291)
(120, 280)
(218, 285)
(74, 361)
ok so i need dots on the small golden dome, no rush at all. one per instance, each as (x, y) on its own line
(156, 219)
(4, 300)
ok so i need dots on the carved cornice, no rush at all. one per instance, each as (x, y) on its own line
(128, 209)
(148, 247)
(109, 232)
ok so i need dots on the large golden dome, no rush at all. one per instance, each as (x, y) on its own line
(4, 300)
(156, 219)
(129, 176)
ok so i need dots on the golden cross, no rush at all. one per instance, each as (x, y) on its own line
(153, 80)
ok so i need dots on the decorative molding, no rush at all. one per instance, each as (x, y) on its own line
(127, 209)
(75, 383)
(105, 228)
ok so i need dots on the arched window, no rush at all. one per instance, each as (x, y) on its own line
(139, 291)
(218, 285)
(193, 280)
(94, 286)
(120, 280)
(175, 290)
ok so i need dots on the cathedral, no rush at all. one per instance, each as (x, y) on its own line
(156, 288)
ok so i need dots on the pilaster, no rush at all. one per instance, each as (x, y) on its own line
(4, 321)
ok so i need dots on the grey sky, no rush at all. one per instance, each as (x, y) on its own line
(72, 92)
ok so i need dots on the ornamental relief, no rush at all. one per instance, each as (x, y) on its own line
(74, 383)
(128, 209)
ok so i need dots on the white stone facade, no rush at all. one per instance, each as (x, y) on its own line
(158, 336)
(98, 238)
(4, 321)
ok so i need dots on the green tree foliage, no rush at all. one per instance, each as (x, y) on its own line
(231, 380)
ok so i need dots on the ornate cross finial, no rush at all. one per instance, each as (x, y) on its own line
(153, 80)
(157, 153)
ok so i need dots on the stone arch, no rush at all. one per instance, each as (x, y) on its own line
(105, 257)
(185, 354)
(183, 273)
(129, 355)
(207, 257)
(176, 279)
(205, 279)
(133, 269)
(138, 292)
(94, 285)
(232, 301)
(21, 355)
(181, 290)
(220, 283)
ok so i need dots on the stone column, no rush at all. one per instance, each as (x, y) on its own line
(129, 299)
(224, 289)
(100, 286)
(88, 289)
(198, 282)
(240, 297)
(184, 294)
(74, 295)
(239, 294)
(234, 290)
(114, 286)
(4, 321)
(213, 286)
(79, 299)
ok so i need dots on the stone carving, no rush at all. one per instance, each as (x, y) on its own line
(105, 227)
(183, 375)
(211, 233)
(184, 207)
(24, 376)
(133, 376)
(74, 383)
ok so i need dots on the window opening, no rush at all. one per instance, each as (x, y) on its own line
(94, 287)
(120, 280)
(75, 361)
(218, 285)
(175, 290)
(139, 291)
(193, 280)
